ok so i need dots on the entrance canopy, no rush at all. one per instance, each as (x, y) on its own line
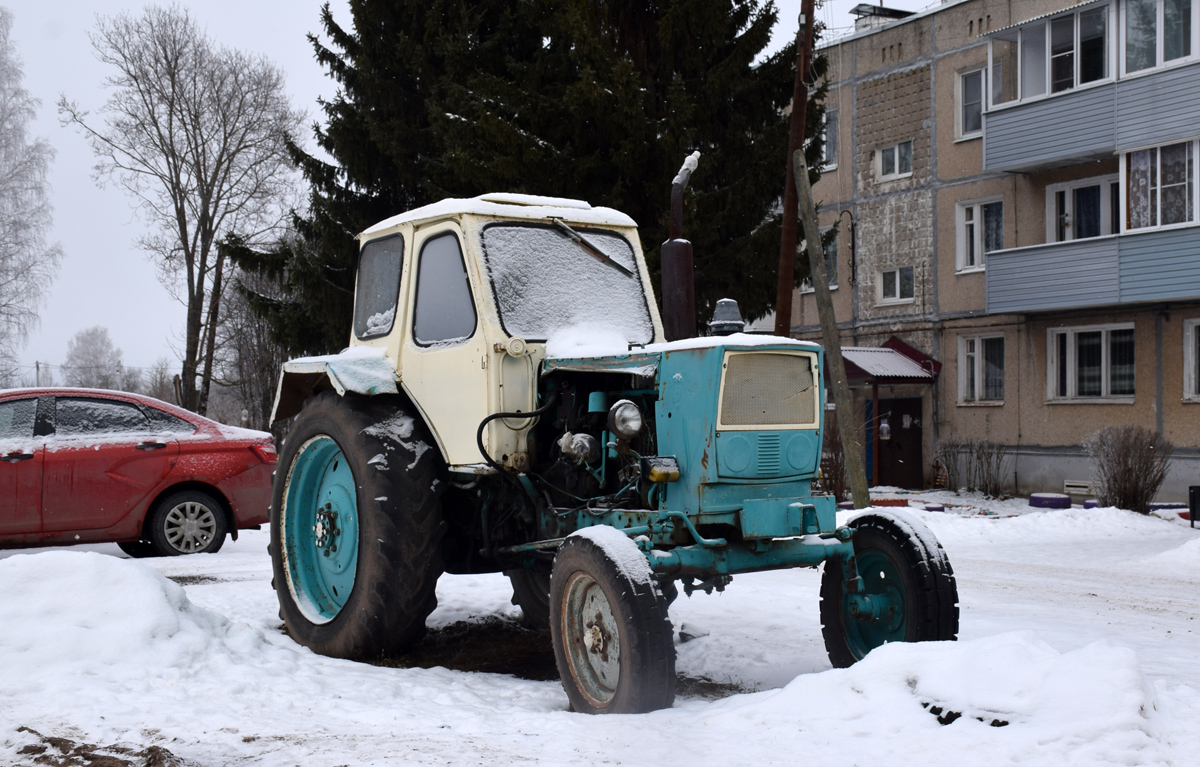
(875, 365)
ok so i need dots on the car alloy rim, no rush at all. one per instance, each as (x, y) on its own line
(320, 530)
(190, 527)
(592, 639)
(877, 615)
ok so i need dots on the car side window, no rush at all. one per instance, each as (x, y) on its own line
(16, 418)
(160, 421)
(81, 416)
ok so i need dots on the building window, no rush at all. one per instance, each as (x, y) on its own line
(970, 99)
(1160, 185)
(1050, 55)
(1091, 362)
(829, 245)
(980, 231)
(1080, 209)
(1191, 360)
(981, 368)
(896, 285)
(895, 161)
(829, 137)
(1157, 32)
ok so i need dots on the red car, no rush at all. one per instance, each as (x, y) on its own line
(89, 466)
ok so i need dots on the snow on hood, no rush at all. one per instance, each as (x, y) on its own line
(361, 369)
(572, 342)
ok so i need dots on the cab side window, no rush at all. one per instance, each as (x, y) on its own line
(444, 312)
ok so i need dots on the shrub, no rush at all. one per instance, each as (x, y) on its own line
(834, 479)
(1130, 465)
(974, 464)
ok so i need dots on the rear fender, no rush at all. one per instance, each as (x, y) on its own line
(361, 369)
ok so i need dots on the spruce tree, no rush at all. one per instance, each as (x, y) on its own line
(570, 98)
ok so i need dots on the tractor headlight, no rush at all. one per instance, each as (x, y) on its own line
(624, 419)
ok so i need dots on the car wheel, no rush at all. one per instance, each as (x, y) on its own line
(356, 527)
(613, 643)
(138, 549)
(908, 591)
(187, 522)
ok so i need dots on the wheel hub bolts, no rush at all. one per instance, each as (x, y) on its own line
(326, 530)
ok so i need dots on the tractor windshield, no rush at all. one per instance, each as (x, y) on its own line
(545, 280)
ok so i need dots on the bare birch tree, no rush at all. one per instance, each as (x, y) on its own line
(197, 134)
(93, 361)
(27, 264)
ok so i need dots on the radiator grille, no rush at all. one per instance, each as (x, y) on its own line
(768, 454)
(763, 389)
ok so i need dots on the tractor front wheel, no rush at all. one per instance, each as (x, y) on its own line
(608, 620)
(908, 591)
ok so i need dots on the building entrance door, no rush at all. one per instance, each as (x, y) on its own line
(900, 463)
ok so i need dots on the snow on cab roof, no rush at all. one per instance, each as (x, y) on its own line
(506, 205)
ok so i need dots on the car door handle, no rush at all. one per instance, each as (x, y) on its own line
(151, 445)
(15, 457)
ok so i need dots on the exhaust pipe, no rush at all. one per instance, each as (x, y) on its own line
(677, 266)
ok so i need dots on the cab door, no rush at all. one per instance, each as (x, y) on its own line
(105, 459)
(21, 455)
(444, 353)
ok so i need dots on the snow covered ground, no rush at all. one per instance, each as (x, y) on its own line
(1078, 631)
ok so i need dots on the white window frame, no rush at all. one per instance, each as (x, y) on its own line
(882, 300)
(829, 159)
(1191, 357)
(959, 90)
(977, 366)
(806, 286)
(1114, 47)
(1105, 330)
(1124, 179)
(880, 175)
(1159, 47)
(1068, 187)
(975, 232)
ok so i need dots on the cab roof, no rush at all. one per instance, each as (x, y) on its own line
(503, 205)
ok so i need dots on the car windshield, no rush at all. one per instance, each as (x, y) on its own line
(545, 280)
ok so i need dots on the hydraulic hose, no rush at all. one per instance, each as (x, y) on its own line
(483, 425)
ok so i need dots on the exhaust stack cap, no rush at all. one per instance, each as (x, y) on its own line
(727, 318)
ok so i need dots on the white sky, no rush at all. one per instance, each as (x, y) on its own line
(105, 279)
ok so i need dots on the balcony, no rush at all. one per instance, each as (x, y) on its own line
(1161, 265)
(1093, 122)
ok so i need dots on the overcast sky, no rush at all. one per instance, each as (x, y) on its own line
(105, 279)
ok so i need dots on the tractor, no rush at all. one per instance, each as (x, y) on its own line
(509, 403)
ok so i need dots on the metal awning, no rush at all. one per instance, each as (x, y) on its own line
(879, 365)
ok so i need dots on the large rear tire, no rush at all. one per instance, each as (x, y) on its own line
(908, 590)
(356, 527)
(531, 592)
(612, 641)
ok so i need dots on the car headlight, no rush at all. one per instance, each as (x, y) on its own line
(624, 419)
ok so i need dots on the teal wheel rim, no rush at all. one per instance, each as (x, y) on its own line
(878, 615)
(320, 530)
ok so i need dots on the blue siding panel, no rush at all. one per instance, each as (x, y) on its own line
(1170, 97)
(1157, 266)
(1056, 276)
(1058, 130)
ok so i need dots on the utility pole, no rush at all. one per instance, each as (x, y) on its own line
(37, 373)
(787, 245)
(829, 336)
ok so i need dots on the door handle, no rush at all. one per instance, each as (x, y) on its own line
(16, 457)
(151, 445)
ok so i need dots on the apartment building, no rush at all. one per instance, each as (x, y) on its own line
(1014, 187)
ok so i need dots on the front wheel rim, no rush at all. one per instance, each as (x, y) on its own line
(190, 527)
(320, 530)
(592, 639)
(879, 614)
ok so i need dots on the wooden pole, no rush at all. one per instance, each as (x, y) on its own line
(851, 443)
(787, 244)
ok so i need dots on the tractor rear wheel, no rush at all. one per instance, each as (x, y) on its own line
(908, 590)
(531, 592)
(608, 620)
(356, 527)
